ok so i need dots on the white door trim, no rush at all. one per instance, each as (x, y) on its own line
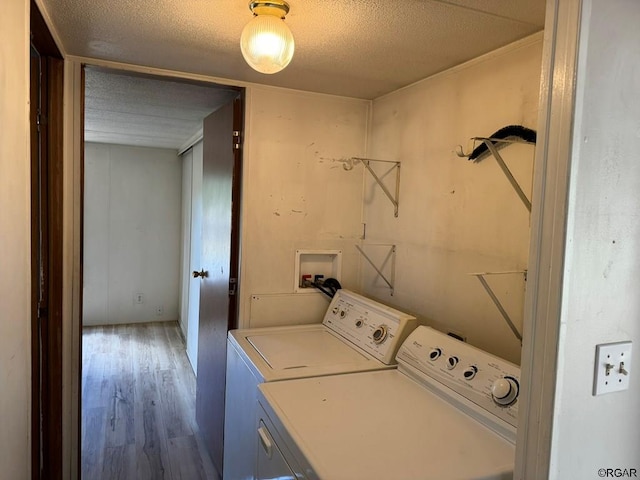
(542, 325)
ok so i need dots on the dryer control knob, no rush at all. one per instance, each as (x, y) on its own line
(452, 361)
(434, 354)
(505, 391)
(380, 334)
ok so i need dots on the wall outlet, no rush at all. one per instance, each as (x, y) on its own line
(138, 298)
(159, 310)
(612, 367)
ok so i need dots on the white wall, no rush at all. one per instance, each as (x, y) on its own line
(602, 264)
(15, 276)
(295, 194)
(457, 217)
(132, 233)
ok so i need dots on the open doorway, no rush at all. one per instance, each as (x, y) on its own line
(143, 157)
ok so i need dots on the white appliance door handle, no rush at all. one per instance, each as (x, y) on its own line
(265, 440)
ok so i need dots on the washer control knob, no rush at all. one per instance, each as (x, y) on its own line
(434, 354)
(505, 391)
(380, 334)
(359, 323)
(470, 372)
(452, 361)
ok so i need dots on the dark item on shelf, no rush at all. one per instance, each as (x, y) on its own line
(509, 132)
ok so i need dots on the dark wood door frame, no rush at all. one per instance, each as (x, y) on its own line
(236, 198)
(46, 119)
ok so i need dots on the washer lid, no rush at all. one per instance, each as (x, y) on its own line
(304, 349)
(381, 425)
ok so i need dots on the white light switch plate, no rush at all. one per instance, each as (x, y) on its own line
(612, 361)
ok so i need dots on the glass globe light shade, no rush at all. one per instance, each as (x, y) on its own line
(267, 44)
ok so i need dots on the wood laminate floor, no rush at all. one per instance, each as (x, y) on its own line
(138, 405)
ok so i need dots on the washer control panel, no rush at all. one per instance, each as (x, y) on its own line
(375, 328)
(489, 382)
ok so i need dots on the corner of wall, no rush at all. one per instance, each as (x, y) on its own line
(15, 242)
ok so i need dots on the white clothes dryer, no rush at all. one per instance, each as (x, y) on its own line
(449, 411)
(357, 334)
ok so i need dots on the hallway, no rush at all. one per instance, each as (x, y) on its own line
(138, 405)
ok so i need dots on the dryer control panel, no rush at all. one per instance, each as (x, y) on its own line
(456, 370)
(375, 328)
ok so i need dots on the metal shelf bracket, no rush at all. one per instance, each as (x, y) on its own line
(391, 255)
(490, 144)
(496, 301)
(348, 165)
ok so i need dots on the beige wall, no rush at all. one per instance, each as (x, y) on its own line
(457, 217)
(15, 378)
(296, 195)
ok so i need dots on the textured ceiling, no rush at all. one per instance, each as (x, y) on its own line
(145, 111)
(357, 48)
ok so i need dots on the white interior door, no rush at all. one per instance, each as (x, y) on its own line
(194, 263)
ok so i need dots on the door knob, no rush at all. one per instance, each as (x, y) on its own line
(202, 273)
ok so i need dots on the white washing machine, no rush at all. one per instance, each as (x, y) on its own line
(449, 411)
(357, 334)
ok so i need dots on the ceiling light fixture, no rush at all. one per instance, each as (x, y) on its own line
(266, 41)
